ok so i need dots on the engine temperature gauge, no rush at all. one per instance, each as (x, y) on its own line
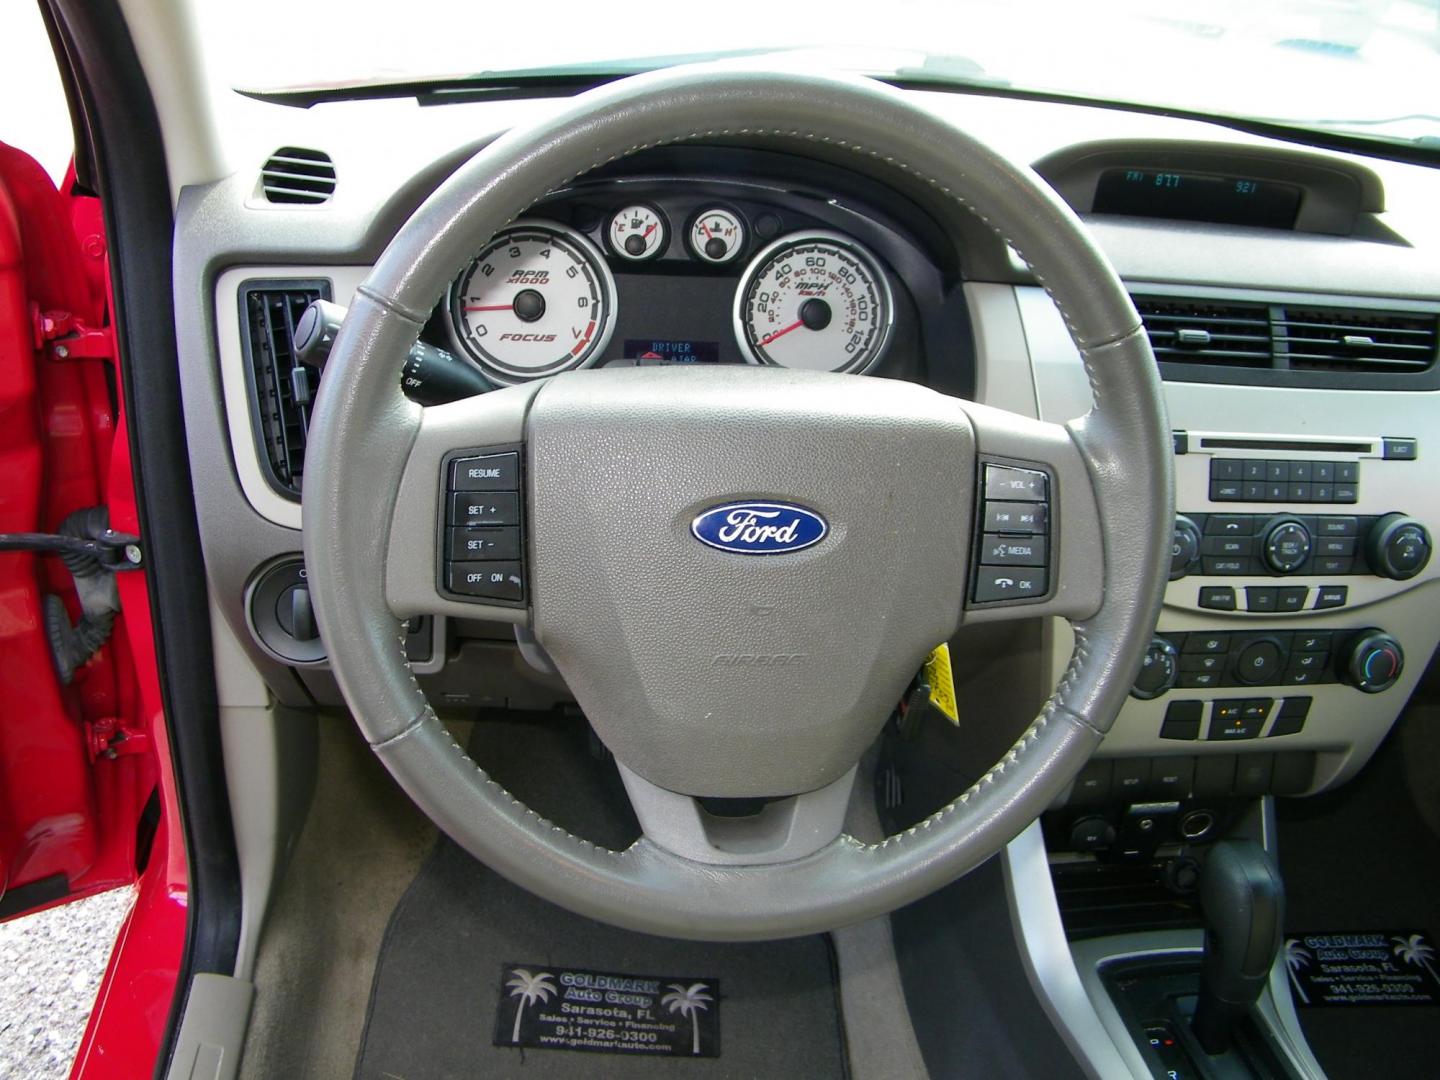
(717, 236)
(638, 232)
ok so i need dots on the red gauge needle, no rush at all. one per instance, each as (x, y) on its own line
(768, 338)
(492, 307)
(648, 230)
(706, 229)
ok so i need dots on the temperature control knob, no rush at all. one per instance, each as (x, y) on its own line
(1286, 545)
(1375, 662)
(1397, 547)
(1158, 672)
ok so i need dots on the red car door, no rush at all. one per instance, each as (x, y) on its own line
(87, 798)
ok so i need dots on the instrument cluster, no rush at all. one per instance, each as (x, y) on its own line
(690, 278)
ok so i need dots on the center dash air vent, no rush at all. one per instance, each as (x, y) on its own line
(282, 390)
(296, 175)
(1209, 340)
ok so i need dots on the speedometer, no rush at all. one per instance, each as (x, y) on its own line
(537, 300)
(814, 300)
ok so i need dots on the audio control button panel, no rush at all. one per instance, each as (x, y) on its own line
(1280, 544)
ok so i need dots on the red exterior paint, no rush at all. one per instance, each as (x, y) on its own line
(64, 446)
(131, 1009)
(47, 809)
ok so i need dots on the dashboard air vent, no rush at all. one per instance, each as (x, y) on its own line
(1200, 331)
(296, 175)
(1329, 339)
(282, 390)
(1242, 341)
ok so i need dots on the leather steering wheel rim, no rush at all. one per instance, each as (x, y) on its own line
(364, 430)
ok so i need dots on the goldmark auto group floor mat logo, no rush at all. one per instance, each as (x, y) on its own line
(550, 1008)
(1391, 967)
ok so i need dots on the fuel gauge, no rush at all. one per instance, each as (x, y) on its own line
(717, 235)
(638, 232)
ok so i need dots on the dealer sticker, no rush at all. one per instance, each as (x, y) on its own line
(544, 1007)
(1396, 967)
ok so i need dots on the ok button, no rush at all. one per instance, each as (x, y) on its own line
(1259, 662)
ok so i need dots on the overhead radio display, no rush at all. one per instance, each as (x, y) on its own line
(1222, 200)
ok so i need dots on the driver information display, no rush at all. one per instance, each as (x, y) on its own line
(544, 1007)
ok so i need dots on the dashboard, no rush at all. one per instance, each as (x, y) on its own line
(1292, 297)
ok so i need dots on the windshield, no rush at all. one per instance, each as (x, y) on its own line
(1364, 67)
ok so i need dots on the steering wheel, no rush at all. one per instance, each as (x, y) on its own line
(711, 673)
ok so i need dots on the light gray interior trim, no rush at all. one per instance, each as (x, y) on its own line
(1050, 967)
(1092, 954)
(879, 1034)
(212, 1034)
(1002, 370)
(270, 761)
(785, 829)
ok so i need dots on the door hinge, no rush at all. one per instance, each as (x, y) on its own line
(110, 737)
(68, 338)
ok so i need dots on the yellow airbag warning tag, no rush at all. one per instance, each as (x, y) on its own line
(938, 675)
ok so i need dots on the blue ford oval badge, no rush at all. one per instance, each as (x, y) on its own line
(759, 528)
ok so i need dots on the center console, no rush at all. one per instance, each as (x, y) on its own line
(1299, 616)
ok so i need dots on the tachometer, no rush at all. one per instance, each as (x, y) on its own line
(537, 300)
(814, 300)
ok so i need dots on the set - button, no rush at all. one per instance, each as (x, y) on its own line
(484, 548)
(1014, 555)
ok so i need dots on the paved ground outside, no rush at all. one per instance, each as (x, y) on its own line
(50, 968)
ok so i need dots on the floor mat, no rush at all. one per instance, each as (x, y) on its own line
(437, 985)
(1360, 858)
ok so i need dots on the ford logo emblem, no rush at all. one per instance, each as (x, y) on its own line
(759, 528)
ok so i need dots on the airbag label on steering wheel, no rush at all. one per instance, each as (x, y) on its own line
(545, 1007)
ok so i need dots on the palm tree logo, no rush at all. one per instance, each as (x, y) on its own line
(689, 1001)
(1297, 959)
(1415, 950)
(529, 989)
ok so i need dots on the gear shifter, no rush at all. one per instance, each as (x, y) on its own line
(1242, 899)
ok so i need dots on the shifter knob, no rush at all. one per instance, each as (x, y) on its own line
(1242, 900)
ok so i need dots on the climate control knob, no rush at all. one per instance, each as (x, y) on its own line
(1285, 545)
(1158, 672)
(1397, 547)
(1375, 661)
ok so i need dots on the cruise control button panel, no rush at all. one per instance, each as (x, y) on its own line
(482, 534)
(1013, 555)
